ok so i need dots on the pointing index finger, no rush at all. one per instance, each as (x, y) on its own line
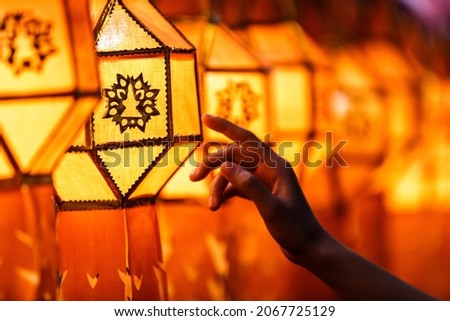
(229, 129)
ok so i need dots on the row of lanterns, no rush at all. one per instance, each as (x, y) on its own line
(102, 132)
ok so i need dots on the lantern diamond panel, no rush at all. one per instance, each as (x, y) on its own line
(147, 122)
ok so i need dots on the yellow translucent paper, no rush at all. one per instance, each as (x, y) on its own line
(7, 169)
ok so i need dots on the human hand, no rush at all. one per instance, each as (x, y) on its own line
(250, 168)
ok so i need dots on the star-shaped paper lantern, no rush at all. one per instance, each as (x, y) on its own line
(144, 128)
(147, 122)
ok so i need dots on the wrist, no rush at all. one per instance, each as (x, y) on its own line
(312, 250)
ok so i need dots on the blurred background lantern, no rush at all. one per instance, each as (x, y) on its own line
(299, 66)
(421, 170)
(376, 96)
(145, 126)
(48, 88)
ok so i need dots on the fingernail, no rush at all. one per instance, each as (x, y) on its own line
(194, 172)
(211, 202)
(228, 168)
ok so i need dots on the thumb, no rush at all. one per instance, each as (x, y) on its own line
(249, 184)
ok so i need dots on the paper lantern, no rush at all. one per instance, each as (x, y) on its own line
(356, 110)
(145, 126)
(375, 101)
(48, 88)
(271, 28)
(400, 76)
(291, 77)
(233, 83)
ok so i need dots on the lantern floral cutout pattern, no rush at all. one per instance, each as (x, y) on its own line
(144, 128)
(25, 41)
(131, 90)
(238, 103)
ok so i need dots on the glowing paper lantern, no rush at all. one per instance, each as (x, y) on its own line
(146, 125)
(285, 45)
(356, 111)
(400, 77)
(233, 78)
(48, 88)
(375, 101)
(296, 61)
